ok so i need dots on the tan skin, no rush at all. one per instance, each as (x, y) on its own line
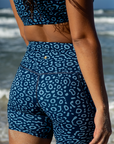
(84, 38)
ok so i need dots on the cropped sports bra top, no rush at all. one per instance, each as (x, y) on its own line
(45, 12)
(51, 12)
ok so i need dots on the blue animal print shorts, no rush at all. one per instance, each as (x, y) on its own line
(49, 95)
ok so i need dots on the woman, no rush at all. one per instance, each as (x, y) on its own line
(52, 92)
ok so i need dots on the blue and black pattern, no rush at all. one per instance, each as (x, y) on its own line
(51, 12)
(49, 95)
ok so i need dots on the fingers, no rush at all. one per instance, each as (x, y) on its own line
(104, 140)
(97, 137)
(100, 137)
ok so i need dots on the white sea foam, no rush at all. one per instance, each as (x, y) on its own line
(104, 20)
(4, 92)
(9, 33)
(111, 33)
(100, 11)
(7, 21)
(6, 11)
(111, 105)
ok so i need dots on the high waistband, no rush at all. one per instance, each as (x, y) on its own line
(48, 57)
(36, 45)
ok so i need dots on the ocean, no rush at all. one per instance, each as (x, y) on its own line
(12, 49)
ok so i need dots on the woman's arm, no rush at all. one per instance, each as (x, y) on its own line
(88, 50)
(19, 22)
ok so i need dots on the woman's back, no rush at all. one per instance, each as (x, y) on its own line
(47, 33)
(47, 15)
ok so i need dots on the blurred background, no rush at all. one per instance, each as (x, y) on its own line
(12, 49)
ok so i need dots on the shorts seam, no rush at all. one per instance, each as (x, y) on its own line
(37, 96)
(46, 73)
(28, 69)
(37, 90)
(57, 73)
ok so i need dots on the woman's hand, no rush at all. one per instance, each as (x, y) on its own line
(102, 127)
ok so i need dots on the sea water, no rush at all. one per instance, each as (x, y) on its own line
(12, 49)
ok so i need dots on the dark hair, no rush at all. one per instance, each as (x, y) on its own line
(29, 5)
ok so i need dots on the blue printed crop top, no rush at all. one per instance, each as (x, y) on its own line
(51, 12)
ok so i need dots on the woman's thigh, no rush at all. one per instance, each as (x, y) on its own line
(16, 137)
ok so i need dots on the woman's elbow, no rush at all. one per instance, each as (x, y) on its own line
(85, 41)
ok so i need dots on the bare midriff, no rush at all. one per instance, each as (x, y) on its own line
(47, 33)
